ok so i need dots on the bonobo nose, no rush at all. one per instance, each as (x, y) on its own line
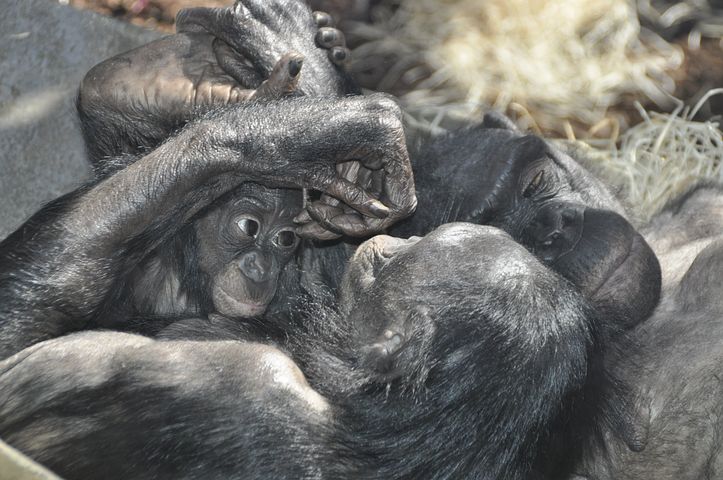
(255, 266)
(555, 230)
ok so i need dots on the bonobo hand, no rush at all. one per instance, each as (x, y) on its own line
(264, 30)
(135, 100)
(310, 143)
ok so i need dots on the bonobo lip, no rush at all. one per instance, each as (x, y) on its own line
(636, 249)
(605, 245)
(380, 249)
(237, 308)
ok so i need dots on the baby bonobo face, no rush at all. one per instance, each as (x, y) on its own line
(398, 293)
(245, 240)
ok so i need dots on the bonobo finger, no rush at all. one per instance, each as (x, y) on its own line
(235, 65)
(283, 79)
(341, 220)
(328, 37)
(303, 217)
(315, 231)
(398, 192)
(339, 55)
(323, 19)
(324, 215)
(356, 197)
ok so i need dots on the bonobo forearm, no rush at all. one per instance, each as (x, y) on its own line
(60, 269)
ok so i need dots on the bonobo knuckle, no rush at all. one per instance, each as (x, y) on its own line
(93, 85)
(383, 104)
(410, 207)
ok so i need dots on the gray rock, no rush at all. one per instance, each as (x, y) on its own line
(46, 50)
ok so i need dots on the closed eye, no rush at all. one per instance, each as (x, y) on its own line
(535, 185)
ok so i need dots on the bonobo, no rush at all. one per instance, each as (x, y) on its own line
(227, 260)
(675, 368)
(69, 267)
(493, 174)
(498, 348)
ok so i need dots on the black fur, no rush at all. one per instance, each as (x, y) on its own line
(487, 365)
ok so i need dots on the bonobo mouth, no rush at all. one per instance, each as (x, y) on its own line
(604, 244)
(229, 306)
(612, 265)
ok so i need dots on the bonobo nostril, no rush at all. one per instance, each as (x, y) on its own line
(555, 230)
(569, 214)
(254, 266)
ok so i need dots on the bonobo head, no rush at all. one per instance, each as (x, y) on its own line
(563, 215)
(495, 175)
(244, 242)
(458, 281)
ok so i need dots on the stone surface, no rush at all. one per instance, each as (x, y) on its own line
(16, 466)
(46, 50)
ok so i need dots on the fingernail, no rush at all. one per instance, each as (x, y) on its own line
(321, 19)
(295, 67)
(328, 35)
(378, 209)
(303, 217)
(339, 55)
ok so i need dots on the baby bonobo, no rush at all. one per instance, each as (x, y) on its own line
(226, 261)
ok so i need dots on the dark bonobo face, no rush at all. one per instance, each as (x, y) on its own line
(459, 278)
(561, 213)
(568, 220)
(245, 241)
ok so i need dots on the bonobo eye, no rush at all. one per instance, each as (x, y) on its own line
(535, 185)
(286, 239)
(248, 226)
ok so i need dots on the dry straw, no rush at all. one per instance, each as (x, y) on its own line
(546, 62)
(663, 156)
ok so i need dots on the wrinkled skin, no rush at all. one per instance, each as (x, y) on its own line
(132, 102)
(398, 342)
(493, 330)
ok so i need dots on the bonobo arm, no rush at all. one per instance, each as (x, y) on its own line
(132, 102)
(63, 266)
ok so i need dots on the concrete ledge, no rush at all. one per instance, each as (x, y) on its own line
(46, 50)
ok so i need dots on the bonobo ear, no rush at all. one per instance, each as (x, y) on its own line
(498, 120)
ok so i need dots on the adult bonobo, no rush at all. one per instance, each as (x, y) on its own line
(471, 372)
(497, 352)
(66, 268)
(493, 174)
